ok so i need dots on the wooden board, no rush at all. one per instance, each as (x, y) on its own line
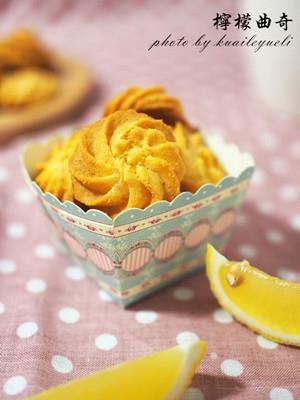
(75, 85)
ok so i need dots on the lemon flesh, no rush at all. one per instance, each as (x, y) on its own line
(266, 304)
(163, 375)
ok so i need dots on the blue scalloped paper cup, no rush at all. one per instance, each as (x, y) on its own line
(142, 251)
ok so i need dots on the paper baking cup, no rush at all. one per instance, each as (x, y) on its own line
(141, 251)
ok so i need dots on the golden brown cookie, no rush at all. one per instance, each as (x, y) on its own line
(27, 86)
(126, 160)
(201, 164)
(54, 176)
(22, 49)
(153, 101)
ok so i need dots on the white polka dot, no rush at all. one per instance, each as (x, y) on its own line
(258, 177)
(106, 341)
(24, 196)
(274, 236)
(295, 149)
(266, 343)
(295, 222)
(278, 166)
(4, 174)
(62, 364)
(247, 250)
(193, 394)
(146, 317)
(44, 251)
(7, 266)
(287, 274)
(222, 316)
(69, 315)
(15, 230)
(186, 337)
(265, 207)
(15, 385)
(183, 294)
(75, 273)
(279, 393)
(103, 295)
(288, 193)
(268, 140)
(27, 329)
(214, 355)
(232, 368)
(2, 308)
(36, 285)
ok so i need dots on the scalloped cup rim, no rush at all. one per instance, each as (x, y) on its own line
(138, 213)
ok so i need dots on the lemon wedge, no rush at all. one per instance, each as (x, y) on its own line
(266, 304)
(163, 375)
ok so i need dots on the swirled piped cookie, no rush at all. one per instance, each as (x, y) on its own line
(53, 174)
(153, 101)
(27, 86)
(27, 74)
(126, 160)
(22, 50)
(201, 165)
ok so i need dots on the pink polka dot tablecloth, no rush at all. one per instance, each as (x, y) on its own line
(55, 324)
